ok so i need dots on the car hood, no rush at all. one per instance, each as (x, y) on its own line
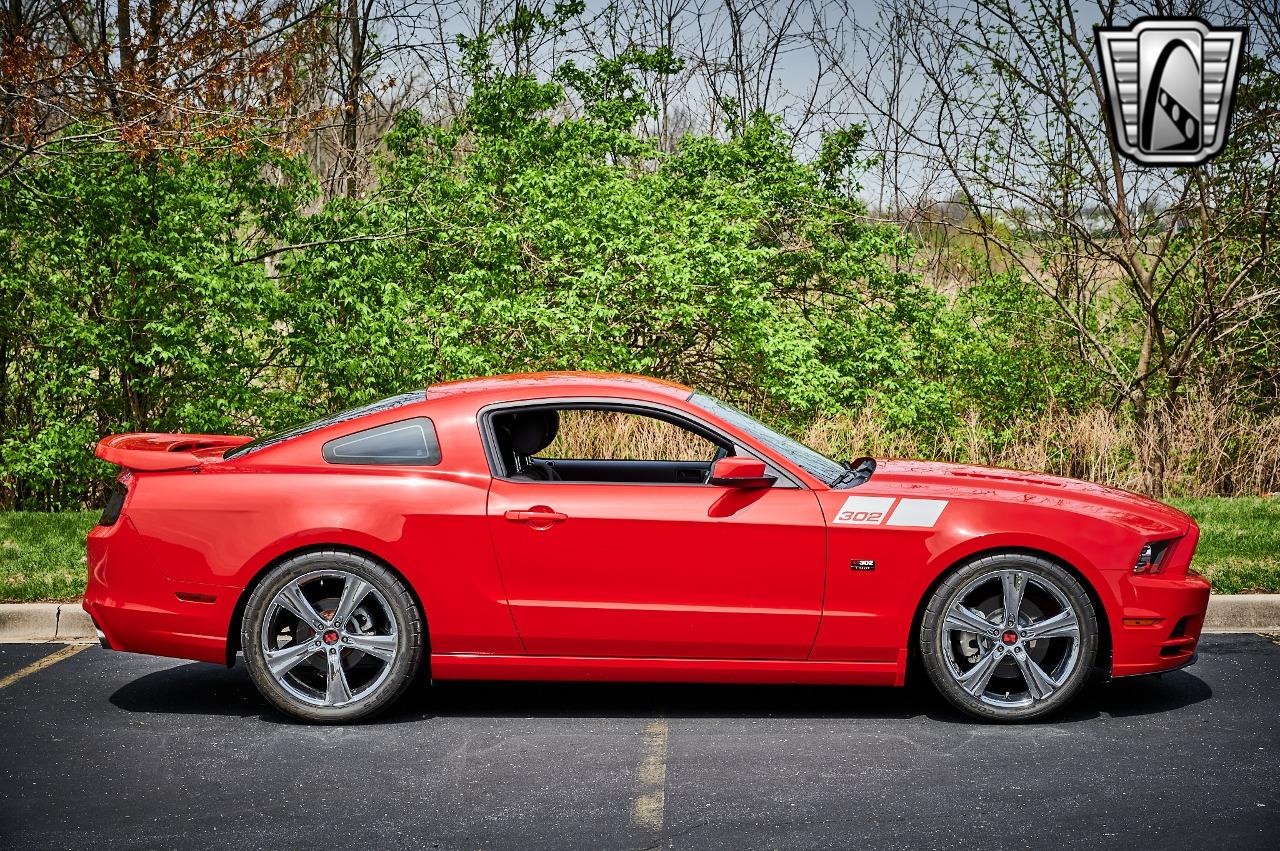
(998, 484)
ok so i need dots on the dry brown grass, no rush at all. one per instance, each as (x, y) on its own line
(1216, 450)
(610, 434)
(1091, 446)
(1212, 451)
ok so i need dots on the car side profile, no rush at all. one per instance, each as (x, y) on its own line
(581, 526)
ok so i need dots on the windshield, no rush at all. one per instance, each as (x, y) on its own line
(809, 460)
(373, 407)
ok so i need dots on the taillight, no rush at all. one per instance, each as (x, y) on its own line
(115, 502)
(1151, 557)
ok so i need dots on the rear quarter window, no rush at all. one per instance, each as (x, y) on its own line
(406, 443)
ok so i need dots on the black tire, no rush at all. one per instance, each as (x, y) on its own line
(402, 626)
(945, 649)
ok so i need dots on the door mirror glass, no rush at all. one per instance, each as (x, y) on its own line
(739, 472)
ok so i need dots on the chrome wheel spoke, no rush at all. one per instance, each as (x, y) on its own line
(292, 599)
(353, 593)
(1061, 625)
(964, 619)
(1013, 585)
(381, 646)
(1033, 623)
(284, 660)
(1039, 684)
(976, 678)
(337, 691)
(326, 664)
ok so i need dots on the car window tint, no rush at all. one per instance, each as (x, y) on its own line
(405, 442)
(620, 436)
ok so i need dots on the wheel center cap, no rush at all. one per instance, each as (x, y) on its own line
(330, 636)
(1009, 637)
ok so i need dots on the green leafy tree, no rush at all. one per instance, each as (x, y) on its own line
(124, 306)
(518, 239)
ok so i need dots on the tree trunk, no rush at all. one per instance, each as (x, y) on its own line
(1151, 447)
(351, 104)
(124, 33)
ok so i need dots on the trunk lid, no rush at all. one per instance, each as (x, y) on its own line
(152, 451)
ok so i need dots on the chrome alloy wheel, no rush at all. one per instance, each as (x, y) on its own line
(329, 638)
(1011, 638)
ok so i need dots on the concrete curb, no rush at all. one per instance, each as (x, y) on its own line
(67, 622)
(1243, 613)
(64, 622)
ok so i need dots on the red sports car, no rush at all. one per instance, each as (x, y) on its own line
(576, 526)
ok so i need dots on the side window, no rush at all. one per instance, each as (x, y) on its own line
(620, 436)
(408, 442)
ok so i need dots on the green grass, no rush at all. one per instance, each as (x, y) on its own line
(42, 555)
(1239, 548)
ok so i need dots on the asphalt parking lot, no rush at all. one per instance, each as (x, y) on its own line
(103, 749)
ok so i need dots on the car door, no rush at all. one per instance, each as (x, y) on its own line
(659, 569)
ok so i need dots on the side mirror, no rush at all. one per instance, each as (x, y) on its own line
(740, 472)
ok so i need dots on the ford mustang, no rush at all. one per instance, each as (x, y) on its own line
(580, 526)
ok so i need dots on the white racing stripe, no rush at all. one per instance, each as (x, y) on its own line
(882, 511)
(864, 510)
(916, 512)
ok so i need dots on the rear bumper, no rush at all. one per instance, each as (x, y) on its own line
(135, 608)
(1160, 625)
(103, 642)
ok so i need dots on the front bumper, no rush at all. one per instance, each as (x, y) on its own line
(1160, 624)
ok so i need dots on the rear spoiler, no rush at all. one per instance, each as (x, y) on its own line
(150, 451)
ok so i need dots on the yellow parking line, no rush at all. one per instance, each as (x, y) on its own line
(52, 659)
(648, 808)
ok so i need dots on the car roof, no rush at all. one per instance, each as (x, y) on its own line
(583, 383)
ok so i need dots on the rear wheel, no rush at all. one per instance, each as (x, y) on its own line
(332, 637)
(1009, 637)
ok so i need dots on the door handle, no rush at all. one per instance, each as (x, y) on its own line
(538, 515)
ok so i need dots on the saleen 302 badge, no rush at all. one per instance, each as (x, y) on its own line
(889, 511)
(1170, 87)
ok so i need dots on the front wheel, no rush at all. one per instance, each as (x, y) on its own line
(331, 637)
(1009, 637)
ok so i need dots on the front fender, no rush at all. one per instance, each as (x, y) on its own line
(1061, 551)
(869, 612)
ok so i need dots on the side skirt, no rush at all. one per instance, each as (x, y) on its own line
(460, 666)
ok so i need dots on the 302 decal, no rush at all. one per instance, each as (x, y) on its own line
(890, 511)
(860, 517)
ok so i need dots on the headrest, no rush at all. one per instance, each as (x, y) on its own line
(533, 431)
